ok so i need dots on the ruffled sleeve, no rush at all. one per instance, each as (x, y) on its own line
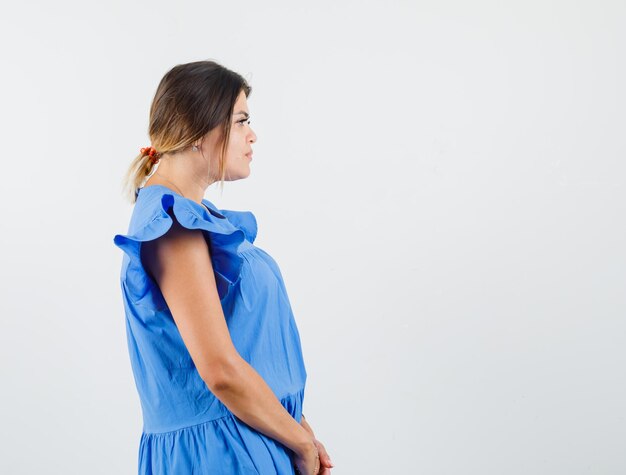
(222, 237)
(244, 220)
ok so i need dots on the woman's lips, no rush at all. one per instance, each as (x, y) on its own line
(249, 155)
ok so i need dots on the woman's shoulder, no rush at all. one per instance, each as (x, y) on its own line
(156, 207)
(154, 200)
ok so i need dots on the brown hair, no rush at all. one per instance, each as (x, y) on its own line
(191, 100)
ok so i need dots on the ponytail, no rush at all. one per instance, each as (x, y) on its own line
(140, 168)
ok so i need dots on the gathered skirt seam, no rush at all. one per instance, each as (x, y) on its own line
(186, 427)
(211, 420)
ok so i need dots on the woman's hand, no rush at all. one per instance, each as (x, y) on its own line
(307, 461)
(324, 458)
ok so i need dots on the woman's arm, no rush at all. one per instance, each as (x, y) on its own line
(180, 263)
(306, 425)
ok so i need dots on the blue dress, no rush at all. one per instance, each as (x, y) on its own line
(186, 429)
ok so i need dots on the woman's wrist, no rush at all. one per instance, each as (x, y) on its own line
(306, 425)
(305, 446)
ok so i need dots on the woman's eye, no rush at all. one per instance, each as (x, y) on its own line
(244, 120)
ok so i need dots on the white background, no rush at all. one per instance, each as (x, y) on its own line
(442, 184)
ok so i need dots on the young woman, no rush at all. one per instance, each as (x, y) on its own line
(213, 343)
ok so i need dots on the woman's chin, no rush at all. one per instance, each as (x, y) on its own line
(237, 176)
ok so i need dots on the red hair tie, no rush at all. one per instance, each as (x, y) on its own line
(152, 153)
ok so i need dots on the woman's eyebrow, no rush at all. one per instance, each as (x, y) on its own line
(243, 113)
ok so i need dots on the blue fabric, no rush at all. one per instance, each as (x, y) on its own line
(186, 428)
